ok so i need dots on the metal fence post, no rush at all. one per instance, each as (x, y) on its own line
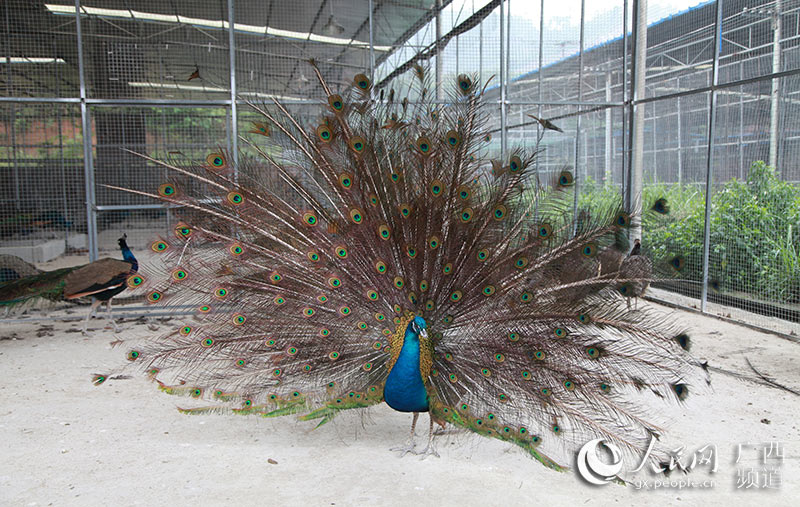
(86, 127)
(710, 152)
(234, 125)
(503, 119)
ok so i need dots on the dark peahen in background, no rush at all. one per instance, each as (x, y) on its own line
(375, 256)
(102, 279)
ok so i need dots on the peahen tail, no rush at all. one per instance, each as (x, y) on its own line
(306, 260)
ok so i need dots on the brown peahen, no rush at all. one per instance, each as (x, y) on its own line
(374, 256)
(102, 279)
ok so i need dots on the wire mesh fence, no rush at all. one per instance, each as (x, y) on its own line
(174, 80)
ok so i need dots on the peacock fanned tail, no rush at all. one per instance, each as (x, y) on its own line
(305, 263)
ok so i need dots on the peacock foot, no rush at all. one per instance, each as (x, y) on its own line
(428, 451)
(404, 449)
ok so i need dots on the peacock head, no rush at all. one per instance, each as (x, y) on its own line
(419, 327)
(123, 241)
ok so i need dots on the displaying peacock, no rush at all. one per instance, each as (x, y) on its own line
(102, 279)
(375, 256)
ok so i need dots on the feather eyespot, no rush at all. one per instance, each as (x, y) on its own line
(429, 305)
(236, 250)
(357, 144)
(433, 242)
(423, 146)
(482, 255)
(279, 300)
(405, 210)
(488, 290)
(448, 268)
(154, 297)
(384, 232)
(423, 286)
(324, 133)
(622, 219)
(569, 385)
(362, 82)
(589, 250)
(134, 281)
(235, 198)
(456, 295)
(605, 387)
(260, 128)
(660, 206)
(183, 231)
(521, 263)
(437, 187)
(500, 212)
(398, 282)
(380, 267)
(539, 355)
(515, 164)
(346, 180)
(544, 231)
(167, 190)
(565, 179)
(217, 161)
(560, 332)
(336, 103)
(464, 84)
(453, 139)
(159, 246)
(238, 319)
(677, 263)
(310, 219)
(526, 297)
(179, 275)
(466, 215)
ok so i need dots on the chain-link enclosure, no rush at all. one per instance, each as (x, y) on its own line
(712, 125)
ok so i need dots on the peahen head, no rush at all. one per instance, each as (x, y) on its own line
(418, 327)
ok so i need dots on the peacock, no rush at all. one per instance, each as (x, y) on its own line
(102, 279)
(379, 255)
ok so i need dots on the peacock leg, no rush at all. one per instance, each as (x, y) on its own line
(429, 449)
(111, 317)
(95, 304)
(409, 447)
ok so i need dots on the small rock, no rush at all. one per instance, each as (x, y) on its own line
(765, 421)
(272, 461)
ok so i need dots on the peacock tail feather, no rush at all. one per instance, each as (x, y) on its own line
(304, 265)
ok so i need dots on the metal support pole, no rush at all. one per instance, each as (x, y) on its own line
(539, 94)
(576, 189)
(371, 45)
(503, 91)
(480, 50)
(608, 131)
(88, 162)
(438, 50)
(626, 110)
(710, 152)
(234, 127)
(634, 189)
(774, 113)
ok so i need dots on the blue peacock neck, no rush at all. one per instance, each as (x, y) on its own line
(127, 255)
(405, 389)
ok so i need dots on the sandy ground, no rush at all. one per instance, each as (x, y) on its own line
(66, 442)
